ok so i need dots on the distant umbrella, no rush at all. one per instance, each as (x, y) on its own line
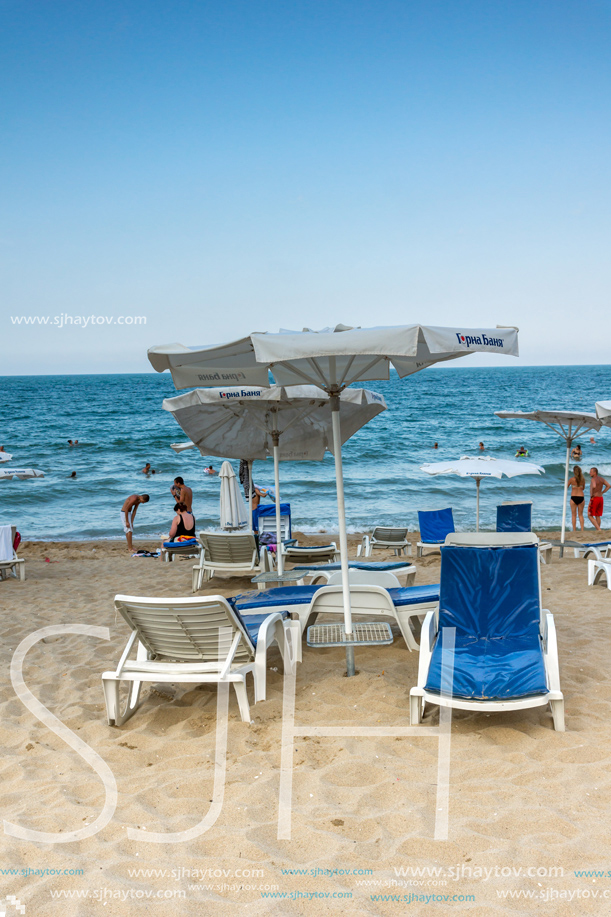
(6, 474)
(5, 457)
(482, 467)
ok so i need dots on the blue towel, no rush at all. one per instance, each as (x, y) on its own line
(191, 543)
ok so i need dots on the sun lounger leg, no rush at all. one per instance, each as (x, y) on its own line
(242, 696)
(112, 685)
(558, 714)
(415, 708)
(21, 572)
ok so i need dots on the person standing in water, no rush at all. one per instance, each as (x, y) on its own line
(598, 487)
(577, 484)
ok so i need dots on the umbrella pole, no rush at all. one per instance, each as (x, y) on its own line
(279, 555)
(566, 490)
(478, 481)
(250, 526)
(343, 539)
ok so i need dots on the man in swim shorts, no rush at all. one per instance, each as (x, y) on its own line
(128, 514)
(182, 493)
(598, 487)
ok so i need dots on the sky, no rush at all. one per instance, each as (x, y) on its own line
(192, 171)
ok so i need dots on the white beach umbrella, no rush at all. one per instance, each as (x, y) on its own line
(23, 474)
(603, 412)
(569, 425)
(291, 423)
(482, 467)
(233, 508)
(333, 359)
(5, 457)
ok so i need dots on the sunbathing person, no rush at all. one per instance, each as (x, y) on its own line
(183, 523)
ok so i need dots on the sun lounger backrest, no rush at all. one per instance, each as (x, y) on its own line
(514, 517)
(381, 533)
(490, 592)
(185, 630)
(264, 518)
(435, 524)
(228, 548)
(363, 600)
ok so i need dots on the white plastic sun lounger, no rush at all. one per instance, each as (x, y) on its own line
(504, 653)
(311, 554)
(322, 573)
(195, 641)
(597, 569)
(387, 538)
(599, 549)
(9, 562)
(230, 553)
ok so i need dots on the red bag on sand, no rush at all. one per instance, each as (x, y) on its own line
(17, 541)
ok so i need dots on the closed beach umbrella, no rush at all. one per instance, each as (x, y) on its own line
(332, 359)
(23, 474)
(233, 508)
(291, 423)
(569, 425)
(482, 467)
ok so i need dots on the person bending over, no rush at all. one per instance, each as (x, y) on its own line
(128, 514)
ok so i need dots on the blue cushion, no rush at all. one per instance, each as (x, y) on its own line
(181, 544)
(435, 524)
(496, 669)
(491, 596)
(252, 623)
(285, 596)
(358, 565)
(514, 517)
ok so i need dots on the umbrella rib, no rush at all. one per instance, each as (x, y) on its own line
(360, 374)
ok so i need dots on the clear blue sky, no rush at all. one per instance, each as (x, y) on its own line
(222, 167)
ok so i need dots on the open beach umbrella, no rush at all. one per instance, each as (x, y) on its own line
(291, 423)
(233, 508)
(569, 425)
(333, 359)
(5, 457)
(23, 474)
(603, 412)
(482, 467)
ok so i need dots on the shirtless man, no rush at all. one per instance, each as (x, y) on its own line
(128, 514)
(182, 493)
(598, 487)
(147, 469)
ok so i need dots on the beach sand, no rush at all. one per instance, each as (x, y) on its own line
(522, 796)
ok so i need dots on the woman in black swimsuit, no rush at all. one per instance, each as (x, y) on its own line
(183, 523)
(577, 484)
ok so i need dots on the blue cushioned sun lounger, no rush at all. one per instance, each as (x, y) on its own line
(504, 644)
(514, 517)
(298, 599)
(435, 525)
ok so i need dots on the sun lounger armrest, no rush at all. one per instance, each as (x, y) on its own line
(550, 648)
(232, 651)
(428, 636)
(126, 652)
(264, 638)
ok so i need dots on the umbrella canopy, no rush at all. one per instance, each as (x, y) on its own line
(569, 425)
(5, 457)
(482, 467)
(23, 474)
(292, 423)
(233, 508)
(332, 359)
(603, 412)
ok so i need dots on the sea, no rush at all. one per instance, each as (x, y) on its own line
(120, 425)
